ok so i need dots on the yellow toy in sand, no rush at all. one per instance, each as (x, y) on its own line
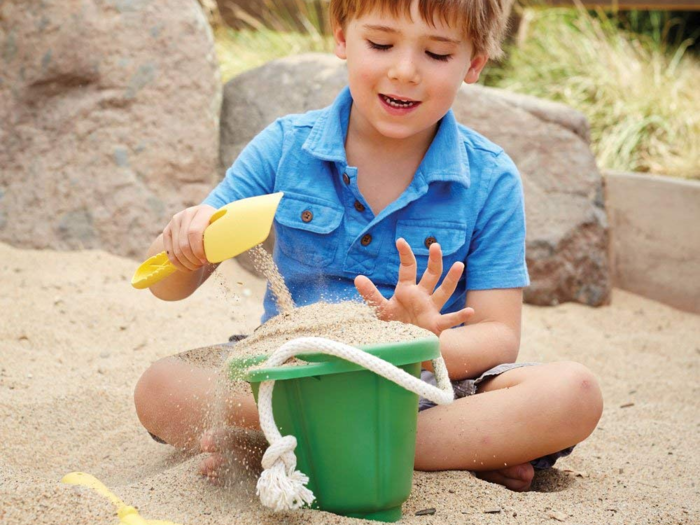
(128, 515)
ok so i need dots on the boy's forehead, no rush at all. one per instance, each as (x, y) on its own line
(443, 26)
(435, 34)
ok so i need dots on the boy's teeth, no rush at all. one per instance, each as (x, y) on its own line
(397, 103)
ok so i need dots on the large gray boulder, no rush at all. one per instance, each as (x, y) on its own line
(109, 115)
(567, 238)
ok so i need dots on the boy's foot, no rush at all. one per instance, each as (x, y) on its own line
(516, 478)
(230, 450)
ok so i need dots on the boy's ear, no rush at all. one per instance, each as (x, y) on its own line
(340, 42)
(475, 67)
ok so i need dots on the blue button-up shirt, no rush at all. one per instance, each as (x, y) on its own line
(466, 195)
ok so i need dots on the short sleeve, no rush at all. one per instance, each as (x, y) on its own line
(253, 172)
(496, 256)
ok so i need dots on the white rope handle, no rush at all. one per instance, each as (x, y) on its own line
(281, 486)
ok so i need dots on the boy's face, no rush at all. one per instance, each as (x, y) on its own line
(408, 60)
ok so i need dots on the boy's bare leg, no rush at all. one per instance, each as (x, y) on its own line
(520, 415)
(175, 398)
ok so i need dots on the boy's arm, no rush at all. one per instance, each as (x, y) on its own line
(490, 337)
(495, 276)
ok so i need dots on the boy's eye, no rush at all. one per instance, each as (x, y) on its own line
(441, 58)
(378, 46)
(384, 47)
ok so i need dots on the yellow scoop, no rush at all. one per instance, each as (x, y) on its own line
(127, 514)
(232, 229)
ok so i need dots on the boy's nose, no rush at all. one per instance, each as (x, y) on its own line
(405, 70)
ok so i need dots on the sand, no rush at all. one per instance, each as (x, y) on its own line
(75, 337)
(265, 264)
(350, 322)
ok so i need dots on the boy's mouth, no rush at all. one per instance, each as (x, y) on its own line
(399, 102)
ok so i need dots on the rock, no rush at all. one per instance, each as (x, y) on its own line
(567, 239)
(555, 515)
(554, 112)
(108, 120)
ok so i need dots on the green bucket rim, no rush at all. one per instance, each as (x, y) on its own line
(415, 351)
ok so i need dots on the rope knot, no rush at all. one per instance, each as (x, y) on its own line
(280, 450)
(280, 486)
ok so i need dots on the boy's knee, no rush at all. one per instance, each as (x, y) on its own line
(149, 392)
(582, 396)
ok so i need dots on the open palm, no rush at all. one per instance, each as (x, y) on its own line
(417, 303)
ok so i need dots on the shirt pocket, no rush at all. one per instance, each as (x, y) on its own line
(307, 228)
(420, 234)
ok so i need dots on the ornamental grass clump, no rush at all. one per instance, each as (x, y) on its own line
(283, 31)
(639, 94)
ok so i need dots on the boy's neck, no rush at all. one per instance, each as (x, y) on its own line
(366, 138)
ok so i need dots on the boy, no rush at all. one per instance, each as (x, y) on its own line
(387, 163)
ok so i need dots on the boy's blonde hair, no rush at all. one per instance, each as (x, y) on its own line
(482, 21)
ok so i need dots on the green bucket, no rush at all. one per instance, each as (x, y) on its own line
(355, 430)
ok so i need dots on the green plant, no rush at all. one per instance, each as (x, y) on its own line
(245, 49)
(280, 28)
(639, 92)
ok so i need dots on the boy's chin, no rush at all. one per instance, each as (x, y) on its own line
(398, 132)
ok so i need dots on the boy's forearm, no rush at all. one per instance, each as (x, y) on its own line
(178, 285)
(471, 350)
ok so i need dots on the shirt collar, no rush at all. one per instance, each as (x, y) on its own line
(445, 160)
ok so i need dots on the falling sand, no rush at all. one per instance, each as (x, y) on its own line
(264, 263)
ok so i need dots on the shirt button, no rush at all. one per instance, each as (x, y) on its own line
(306, 216)
(346, 179)
(359, 206)
(366, 239)
(430, 240)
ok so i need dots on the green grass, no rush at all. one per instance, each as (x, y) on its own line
(639, 93)
(636, 90)
(289, 28)
(246, 49)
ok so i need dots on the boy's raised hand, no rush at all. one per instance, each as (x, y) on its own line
(183, 237)
(420, 303)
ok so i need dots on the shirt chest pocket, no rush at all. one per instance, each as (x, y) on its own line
(420, 234)
(307, 228)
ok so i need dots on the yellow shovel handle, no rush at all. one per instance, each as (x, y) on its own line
(86, 480)
(152, 270)
(128, 515)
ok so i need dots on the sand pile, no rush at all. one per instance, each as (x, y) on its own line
(75, 338)
(349, 322)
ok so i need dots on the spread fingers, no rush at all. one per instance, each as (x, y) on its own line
(369, 292)
(434, 270)
(453, 319)
(449, 285)
(408, 268)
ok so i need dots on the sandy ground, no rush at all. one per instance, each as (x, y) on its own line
(75, 337)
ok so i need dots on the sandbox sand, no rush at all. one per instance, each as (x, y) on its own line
(75, 337)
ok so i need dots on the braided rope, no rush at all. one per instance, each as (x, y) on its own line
(281, 486)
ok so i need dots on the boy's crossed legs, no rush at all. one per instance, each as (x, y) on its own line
(517, 416)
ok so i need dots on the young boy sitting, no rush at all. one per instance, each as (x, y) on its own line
(385, 182)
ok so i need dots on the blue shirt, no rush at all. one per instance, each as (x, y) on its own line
(466, 195)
